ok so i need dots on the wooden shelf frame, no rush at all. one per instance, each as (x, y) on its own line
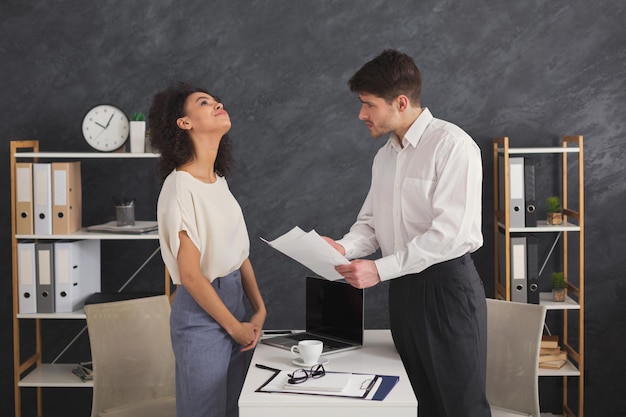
(31, 372)
(573, 216)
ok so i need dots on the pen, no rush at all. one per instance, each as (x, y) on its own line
(267, 368)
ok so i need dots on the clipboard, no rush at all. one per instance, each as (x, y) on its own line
(360, 386)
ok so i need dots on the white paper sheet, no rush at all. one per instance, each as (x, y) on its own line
(311, 251)
(357, 386)
(334, 382)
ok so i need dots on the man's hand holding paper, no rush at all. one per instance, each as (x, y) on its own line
(360, 273)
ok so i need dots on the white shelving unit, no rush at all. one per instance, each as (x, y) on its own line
(573, 224)
(31, 372)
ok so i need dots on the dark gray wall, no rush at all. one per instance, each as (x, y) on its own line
(532, 70)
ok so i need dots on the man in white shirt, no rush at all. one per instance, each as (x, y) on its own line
(423, 211)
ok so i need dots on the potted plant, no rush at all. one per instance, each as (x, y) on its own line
(137, 132)
(559, 286)
(553, 208)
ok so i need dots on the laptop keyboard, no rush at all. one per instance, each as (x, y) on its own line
(329, 344)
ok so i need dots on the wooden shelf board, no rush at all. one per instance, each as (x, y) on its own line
(567, 370)
(54, 375)
(86, 155)
(543, 226)
(84, 234)
(547, 150)
(74, 315)
(545, 299)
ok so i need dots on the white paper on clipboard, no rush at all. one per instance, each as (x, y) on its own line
(356, 385)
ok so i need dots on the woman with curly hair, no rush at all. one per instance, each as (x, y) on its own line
(205, 245)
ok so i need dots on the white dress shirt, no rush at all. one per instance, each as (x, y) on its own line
(212, 219)
(424, 203)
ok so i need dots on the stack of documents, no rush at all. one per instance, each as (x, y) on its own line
(311, 251)
(329, 382)
(112, 227)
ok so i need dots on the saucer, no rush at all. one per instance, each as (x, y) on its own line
(322, 361)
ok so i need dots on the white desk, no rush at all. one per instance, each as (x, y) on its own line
(377, 356)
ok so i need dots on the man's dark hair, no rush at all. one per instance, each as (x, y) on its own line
(174, 143)
(389, 75)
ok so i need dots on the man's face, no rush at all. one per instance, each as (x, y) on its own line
(379, 116)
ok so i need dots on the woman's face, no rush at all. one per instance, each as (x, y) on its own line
(205, 115)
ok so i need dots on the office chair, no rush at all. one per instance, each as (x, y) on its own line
(133, 362)
(513, 341)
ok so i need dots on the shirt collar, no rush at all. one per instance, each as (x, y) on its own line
(415, 132)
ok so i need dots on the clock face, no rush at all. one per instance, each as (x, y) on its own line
(105, 128)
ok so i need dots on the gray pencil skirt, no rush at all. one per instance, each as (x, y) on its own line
(210, 368)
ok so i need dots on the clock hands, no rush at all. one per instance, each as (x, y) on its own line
(110, 118)
(104, 127)
(108, 123)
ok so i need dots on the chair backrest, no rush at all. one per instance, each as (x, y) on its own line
(513, 341)
(131, 351)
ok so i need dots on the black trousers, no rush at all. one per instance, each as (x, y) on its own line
(438, 322)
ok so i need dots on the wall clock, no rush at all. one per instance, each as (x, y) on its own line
(105, 127)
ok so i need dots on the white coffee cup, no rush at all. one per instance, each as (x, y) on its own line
(308, 350)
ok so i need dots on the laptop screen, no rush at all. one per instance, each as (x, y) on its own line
(335, 309)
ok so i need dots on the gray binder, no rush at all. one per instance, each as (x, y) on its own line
(529, 192)
(44, 259)
(532, 271)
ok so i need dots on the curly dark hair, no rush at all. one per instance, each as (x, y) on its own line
(389, 75)
(174, 143)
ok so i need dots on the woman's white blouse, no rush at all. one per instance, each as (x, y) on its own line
(212, 219)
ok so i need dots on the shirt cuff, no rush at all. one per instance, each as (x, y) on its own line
(388, 268)
(348, 247)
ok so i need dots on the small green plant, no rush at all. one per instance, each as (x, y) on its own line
(553, 204)
(138, 117)
(558, 280)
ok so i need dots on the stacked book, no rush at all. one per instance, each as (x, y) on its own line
(550, 354)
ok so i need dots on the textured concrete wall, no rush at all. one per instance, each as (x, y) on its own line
(531, 70)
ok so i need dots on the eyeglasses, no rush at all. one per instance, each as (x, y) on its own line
(300, 375)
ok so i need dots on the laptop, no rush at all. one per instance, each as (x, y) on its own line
(334, 315)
